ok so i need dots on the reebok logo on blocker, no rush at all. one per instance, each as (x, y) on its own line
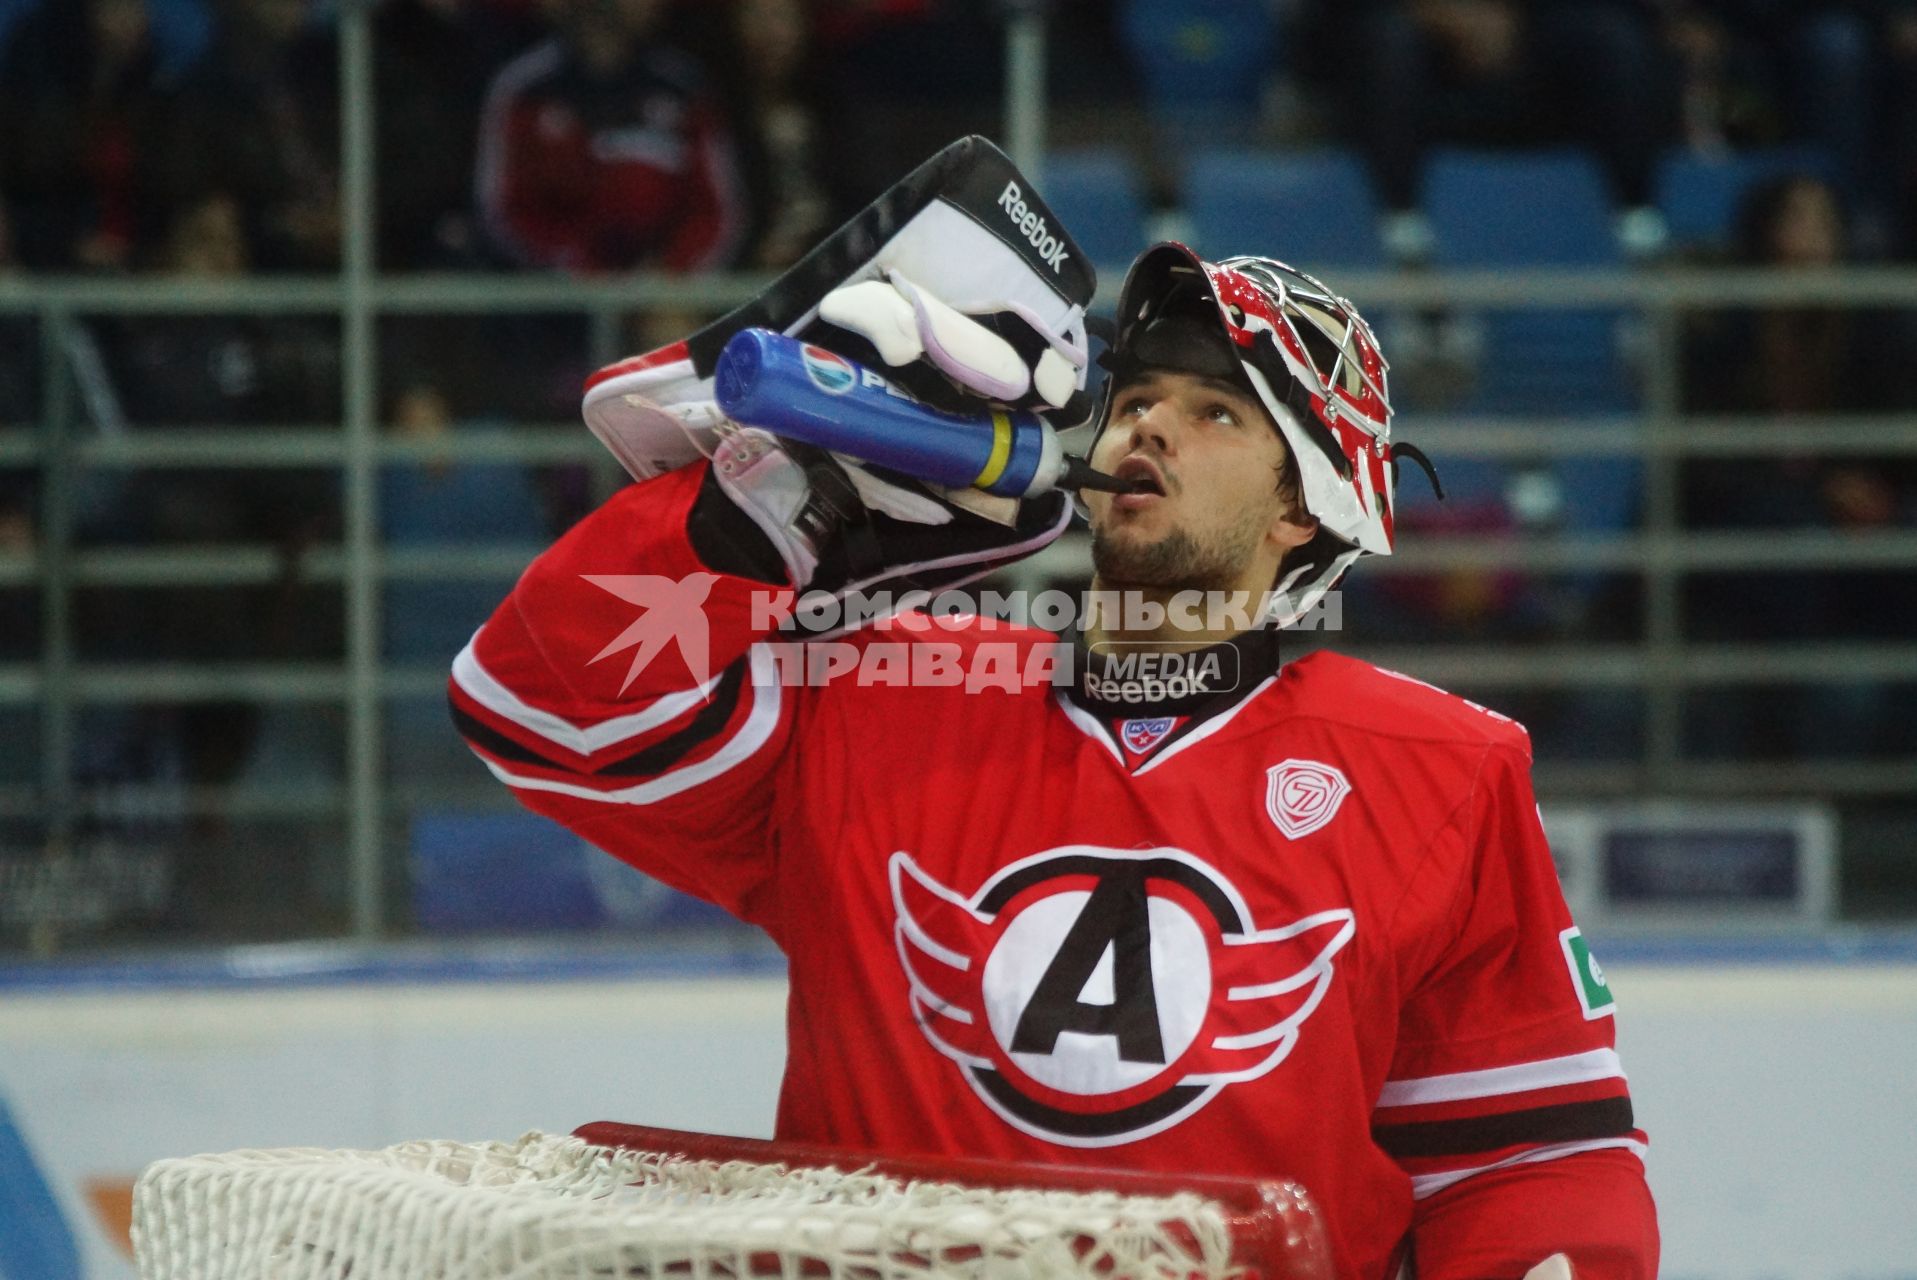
(1032, 227)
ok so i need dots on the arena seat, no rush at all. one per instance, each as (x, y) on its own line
(1700, 195)
(426, 623)
(1543, 210)
(1533, 209)
(463, 504)
(1203, 63)
(1098, 193)
(1314, 209)
(1519, 208)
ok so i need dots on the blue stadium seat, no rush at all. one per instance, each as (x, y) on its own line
(427, 623)
(461, 505)
(1540, 209)
(1314, 209)
(1203, 62)
(1700, 195)
(1519, 209)
(1099, 195)
(1543, 210)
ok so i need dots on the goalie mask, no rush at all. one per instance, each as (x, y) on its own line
(1302, 352)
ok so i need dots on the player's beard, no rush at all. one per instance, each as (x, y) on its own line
(1179, 560)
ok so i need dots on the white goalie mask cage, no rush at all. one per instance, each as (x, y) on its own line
(1314, 364)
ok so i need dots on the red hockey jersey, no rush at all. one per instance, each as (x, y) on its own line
(1300, 921)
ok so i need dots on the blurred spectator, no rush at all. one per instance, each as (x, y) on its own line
(1414, 73)
(601, 149)
(19, 609)
(431, 62)
(442, 502)
(203, 371)
(1895, 40)
(258, 121)
(1482, 499)
(19, 351)
(428, 81)
(1723, 74)
(780, 134)
(904, 77)
(1798, 360)
(196, 370)
(81, 93)
(206, 371)
(1755, 72)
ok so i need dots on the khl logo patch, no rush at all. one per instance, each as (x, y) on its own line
(1303, 795)
(1142, 735)
(1092, 997)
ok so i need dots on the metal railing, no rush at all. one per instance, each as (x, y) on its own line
(1659, 550)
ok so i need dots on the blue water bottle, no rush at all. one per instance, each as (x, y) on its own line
(801, 392)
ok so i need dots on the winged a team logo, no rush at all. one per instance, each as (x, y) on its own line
(1093, 996)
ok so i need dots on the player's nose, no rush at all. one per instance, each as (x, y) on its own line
(1156, 429)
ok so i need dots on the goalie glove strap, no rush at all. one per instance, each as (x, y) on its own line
(771, 510)
(726, 539)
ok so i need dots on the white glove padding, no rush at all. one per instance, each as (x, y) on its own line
(960, 240)
(1555, 1267)
(654, 412)
(678, 422)
(904, 323)
(799, 507)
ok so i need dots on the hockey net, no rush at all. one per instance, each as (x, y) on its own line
(624, 1201)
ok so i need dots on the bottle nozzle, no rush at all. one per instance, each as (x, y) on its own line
(1080, 474)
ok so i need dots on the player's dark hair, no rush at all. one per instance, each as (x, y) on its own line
(1291, 489)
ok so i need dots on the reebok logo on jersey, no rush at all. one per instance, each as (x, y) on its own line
(1125, 674)
(1030, 225)
(1092, 997)
(1303, 795)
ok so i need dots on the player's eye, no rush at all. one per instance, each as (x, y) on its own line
(1224, 414)
(1129, 406)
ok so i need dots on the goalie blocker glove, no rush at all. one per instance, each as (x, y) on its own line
(967, 288)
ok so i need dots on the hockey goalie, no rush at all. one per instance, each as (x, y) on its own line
(1152, 893)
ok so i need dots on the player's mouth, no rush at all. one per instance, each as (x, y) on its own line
(1146, 480)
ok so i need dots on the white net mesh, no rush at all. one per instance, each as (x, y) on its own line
(545, 1207)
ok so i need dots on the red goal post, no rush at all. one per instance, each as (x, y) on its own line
(615, 1200)
(1274, 1229)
